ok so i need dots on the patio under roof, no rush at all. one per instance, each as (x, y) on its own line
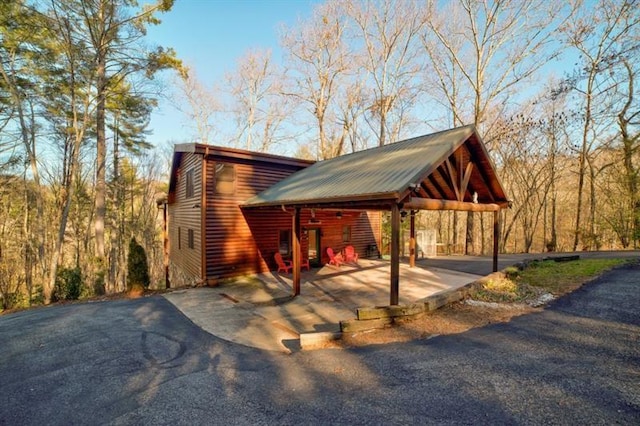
(448, 170)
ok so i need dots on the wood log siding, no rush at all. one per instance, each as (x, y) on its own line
(266, 224)
(185, 213)
(241, 242)
(231, 244)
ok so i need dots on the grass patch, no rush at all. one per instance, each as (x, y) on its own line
(564, 277)
(541, 277)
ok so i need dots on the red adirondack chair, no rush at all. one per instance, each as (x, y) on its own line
(304, 263)
(334, 259)
(286, 265)
(283, 265)
(350, 254)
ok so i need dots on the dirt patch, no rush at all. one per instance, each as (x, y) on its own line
(452, 319)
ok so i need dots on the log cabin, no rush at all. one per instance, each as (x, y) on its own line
(209, 236)
(230, 211)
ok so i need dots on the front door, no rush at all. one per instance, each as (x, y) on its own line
(314, 247)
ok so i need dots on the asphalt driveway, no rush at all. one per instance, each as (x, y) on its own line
(143, 362)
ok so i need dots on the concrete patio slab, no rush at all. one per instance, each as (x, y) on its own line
(258, 311)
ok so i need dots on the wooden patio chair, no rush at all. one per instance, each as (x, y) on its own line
(334, 259)
(286, 265)
(304, 263)
(350, 255)
(283, 265)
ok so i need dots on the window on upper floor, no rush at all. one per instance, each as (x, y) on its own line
(189, 183)
(225, 178)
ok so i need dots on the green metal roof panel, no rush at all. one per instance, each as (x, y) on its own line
(376, 173)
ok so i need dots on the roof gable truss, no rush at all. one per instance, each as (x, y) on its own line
(459, 176)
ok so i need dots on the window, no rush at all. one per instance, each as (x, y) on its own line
(189, 178)
(284, 242)
(179, 239)
(225, 179)
(346, 233)
(190, 238)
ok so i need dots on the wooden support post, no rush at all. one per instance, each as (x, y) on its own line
(295, 237)
(412, 239)
(165, 242)
(496, 239)
(395, 255)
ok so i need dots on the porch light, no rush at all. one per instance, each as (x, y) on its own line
(339, 215)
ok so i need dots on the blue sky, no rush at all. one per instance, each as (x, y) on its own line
(210, 35)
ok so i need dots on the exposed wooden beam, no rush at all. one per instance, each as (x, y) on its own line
(453, 177)
(431, 204)
(422, 190)
(465, 180)
(395, 255)
(447, 192)
(439, 193)
(425, 191)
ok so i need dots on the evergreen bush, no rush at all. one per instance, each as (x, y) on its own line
(68, 284)
(137, 268)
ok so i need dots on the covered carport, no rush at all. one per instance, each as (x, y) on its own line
(448, 170)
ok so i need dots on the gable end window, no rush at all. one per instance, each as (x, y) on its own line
(189, 184)
(225, 179)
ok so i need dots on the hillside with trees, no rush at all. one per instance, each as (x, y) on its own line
(551, 88)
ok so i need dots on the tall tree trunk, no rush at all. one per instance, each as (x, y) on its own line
(455, 231)
(113, 253)
(468, 246)
(581, 173)
(629, 150)
(100, 159)
(99, 40)
(594, 239)
(383, 117)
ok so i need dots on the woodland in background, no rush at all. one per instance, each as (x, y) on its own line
(552, 90)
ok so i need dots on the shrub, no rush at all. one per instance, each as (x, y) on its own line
(98, 284)
(137, 268)
(68, 284)
(16, 300)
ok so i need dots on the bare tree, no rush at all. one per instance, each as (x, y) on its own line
(391, 61)
(259, 108)
(600, 36)
(620, 165)
(629, 123)
(202, 103)
(490, 51)
(317, 62)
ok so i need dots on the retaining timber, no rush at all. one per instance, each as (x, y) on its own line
(383, 316)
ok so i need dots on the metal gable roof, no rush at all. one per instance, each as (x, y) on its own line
(380, 173)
